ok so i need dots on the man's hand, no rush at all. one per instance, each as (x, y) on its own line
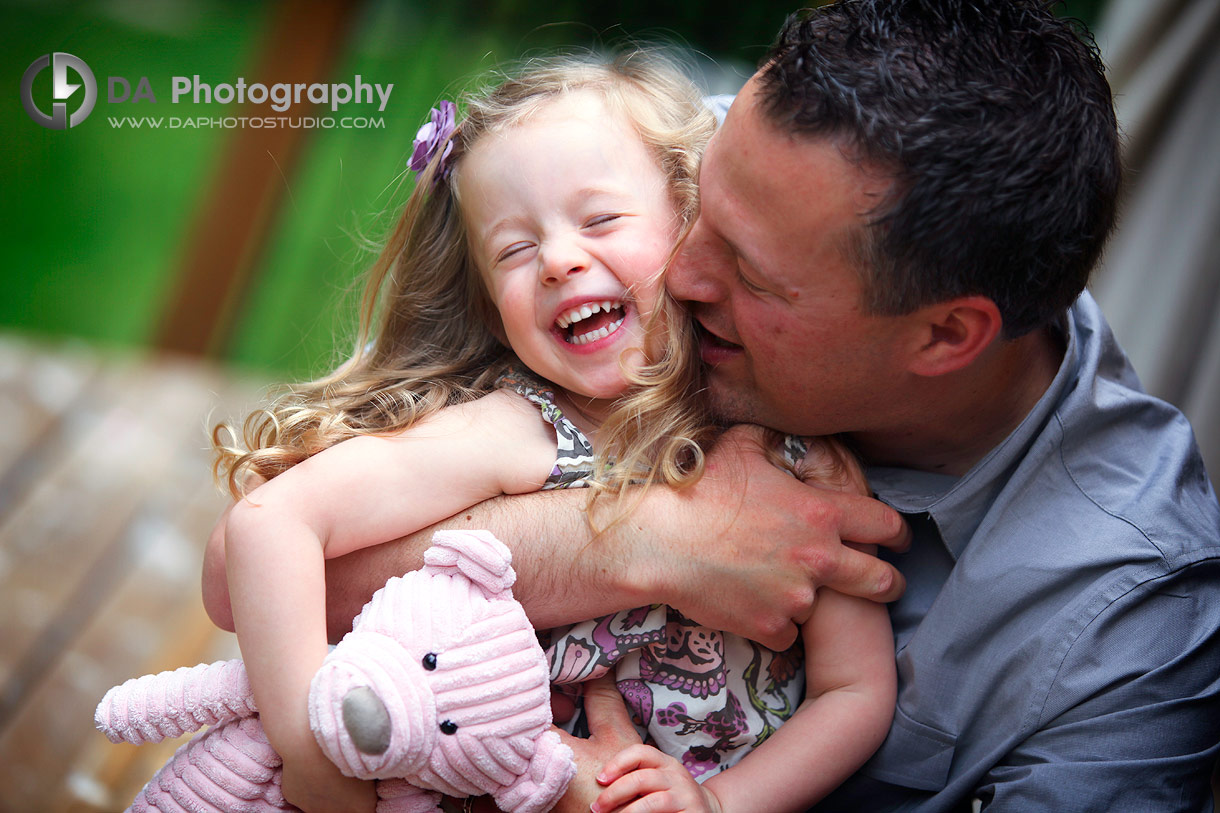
(610, 732)
(746, 548)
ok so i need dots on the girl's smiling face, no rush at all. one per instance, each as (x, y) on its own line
(569, 221)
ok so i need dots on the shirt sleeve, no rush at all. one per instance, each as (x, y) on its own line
(1132, 719)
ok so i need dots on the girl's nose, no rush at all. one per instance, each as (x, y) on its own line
(560, 262)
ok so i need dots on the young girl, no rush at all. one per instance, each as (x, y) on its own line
(502, 331)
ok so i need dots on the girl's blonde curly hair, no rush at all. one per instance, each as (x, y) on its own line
(425, 338)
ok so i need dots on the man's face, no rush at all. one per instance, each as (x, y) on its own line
(768, 275)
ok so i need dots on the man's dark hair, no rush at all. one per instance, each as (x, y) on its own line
(997, 123)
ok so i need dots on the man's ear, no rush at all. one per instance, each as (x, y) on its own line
(952, 334)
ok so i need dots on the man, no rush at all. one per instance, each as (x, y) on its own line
(899, 215)
(1060, 515)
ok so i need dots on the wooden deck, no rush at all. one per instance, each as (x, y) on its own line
(106, 500)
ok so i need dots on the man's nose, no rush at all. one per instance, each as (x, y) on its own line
(696, 273)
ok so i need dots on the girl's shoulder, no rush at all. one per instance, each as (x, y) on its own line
(508, 408)
(503, 430)
(500, 415)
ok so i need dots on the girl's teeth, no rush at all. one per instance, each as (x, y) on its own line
(594, 335)
(584, 312)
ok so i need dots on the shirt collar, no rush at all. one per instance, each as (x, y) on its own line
(958, 504)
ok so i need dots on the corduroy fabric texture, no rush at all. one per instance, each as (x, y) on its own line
(441, 681)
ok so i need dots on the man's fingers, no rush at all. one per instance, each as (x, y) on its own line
(610, 731)
(606, 713)
(864, 521)
(864, 575)
(867, 521)
(786, 636)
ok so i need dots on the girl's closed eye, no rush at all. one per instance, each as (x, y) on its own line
(602, 219)
(514, 249)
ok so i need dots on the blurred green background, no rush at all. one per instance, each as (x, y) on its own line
(101, 225)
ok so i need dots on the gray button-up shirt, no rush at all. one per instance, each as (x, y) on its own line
(1059, 640)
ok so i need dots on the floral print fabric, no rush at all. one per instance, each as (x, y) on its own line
(703, 696)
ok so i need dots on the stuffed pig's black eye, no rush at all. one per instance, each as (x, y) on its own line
(429, 661)
(448, 727)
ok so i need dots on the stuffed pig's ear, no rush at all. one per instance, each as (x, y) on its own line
(477, 555)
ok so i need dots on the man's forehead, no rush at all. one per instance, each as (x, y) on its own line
(784, 202)
(752, 168)
(773, 171)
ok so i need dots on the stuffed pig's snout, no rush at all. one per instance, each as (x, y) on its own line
(367, 721)
(372, 710)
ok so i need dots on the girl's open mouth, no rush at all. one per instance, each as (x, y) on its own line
(591, 321)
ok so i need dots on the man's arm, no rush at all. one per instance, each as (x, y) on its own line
(544, 529)
(529, 523)
(764, 541)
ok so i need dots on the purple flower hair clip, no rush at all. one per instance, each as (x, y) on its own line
(432, 136)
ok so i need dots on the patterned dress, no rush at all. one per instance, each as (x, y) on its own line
(703, 696)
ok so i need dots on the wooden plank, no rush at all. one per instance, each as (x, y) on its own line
(56, 544)
(53, 759)
(39, 386)
(135, 635)
(143, 613)
(60, 540)
(109, 776)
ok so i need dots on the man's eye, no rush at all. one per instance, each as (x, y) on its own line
(750, 286)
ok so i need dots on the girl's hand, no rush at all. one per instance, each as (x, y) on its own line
(314, 784)
(642, 779)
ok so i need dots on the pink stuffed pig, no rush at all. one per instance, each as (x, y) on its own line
(440, 688)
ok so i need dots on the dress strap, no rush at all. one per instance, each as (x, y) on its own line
(573, 452)
(794, 449)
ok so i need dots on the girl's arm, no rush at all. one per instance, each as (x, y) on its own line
(845, 717)
(849, 703)
(355, 494)
(785, 543)
(850, 684)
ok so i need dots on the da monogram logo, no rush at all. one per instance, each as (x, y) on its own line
(62, 90)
